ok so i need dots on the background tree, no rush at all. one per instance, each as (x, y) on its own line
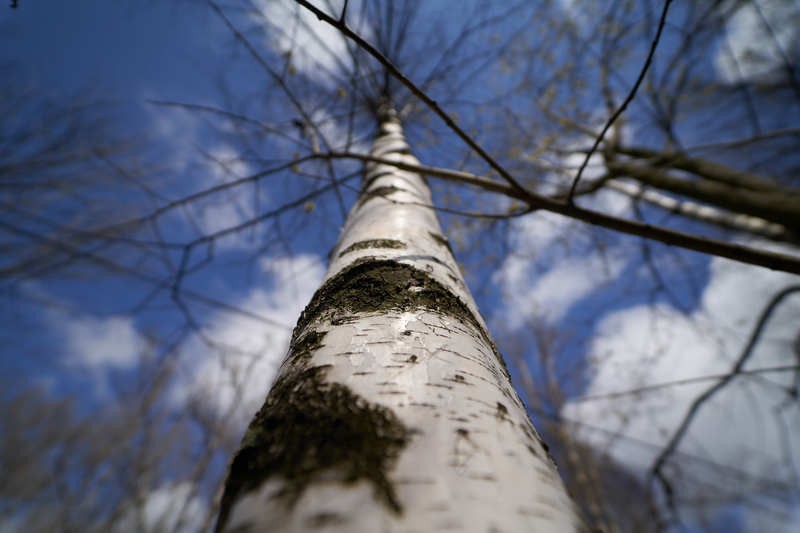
(281, 138)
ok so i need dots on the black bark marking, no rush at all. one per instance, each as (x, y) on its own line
(373, 243)
(546, 449)
(502, 411)
(378, 192)
(371, 178)
(441, 240)
(459, 380)
(302, 348)
(380, 286)
(321, 520)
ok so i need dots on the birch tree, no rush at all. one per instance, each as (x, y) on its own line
(394, 410)
(542, 128)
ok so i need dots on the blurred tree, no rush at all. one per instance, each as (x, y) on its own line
(58, 172)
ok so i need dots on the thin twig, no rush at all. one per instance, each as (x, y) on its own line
(680, 382)
(656, 471)
(419, 93)
(628, 100)
(736, 252)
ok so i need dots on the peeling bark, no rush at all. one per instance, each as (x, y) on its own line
(393, 410)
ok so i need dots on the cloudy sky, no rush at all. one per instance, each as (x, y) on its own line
(84, 337)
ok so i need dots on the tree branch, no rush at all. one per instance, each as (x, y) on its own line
(628, 100)
(656, 471)
(416, 91)
(736, 252)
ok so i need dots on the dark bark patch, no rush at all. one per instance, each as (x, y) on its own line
(379, 286)
(373, 243)
(381, 192)
(441, 241)
(307, 344)
(502, 411)
(322, 520)
(371, 178)
(309, 426)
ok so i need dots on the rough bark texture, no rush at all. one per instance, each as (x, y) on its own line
(393, 410)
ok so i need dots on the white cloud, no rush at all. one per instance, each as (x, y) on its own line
(610, 202)
(178, 130)
(296, 279)
(536, 232)
(554, 265)
(167, 508)
(582, 14)
(231, 378)
(596, 167)
(220, 216)
(175, 129)
(754, 37)
(101, 342)
(564, 168)
(550, 295)
(231, 207)
(738, 427)
(91, 346)
(317, 49)
(228, 165)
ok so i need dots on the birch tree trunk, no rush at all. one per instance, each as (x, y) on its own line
(393, 410)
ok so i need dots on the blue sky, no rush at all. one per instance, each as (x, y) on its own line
(121, 48)
(87, 340)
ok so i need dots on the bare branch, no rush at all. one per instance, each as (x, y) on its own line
(628, 100)
(656, 471)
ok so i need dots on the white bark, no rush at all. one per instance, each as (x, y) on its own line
(705, 213)
(468, 457)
